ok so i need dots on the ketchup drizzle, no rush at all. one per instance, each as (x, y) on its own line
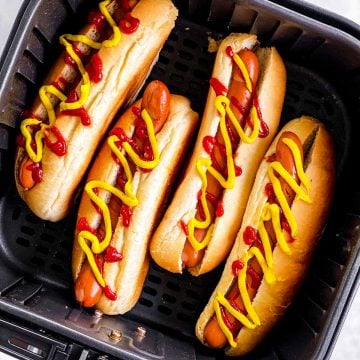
(250, 235)
(236, 266)
(61, 83)
(238, 170)
(184, 227)
(126, 213)
(286, 227)
(218, 87)
(83, 225)
(20, 140)
(124, 4)
(219, 209)
(269, 191)
(99, 262)
(209, 143)
(264, 129)
(140, 133)
(129, 24)
(59, 146)
(120, 181)
(69, 60)
(94, 68)
(233, 136)
(112, 255)
(36, 172)
(216, 203)
(232, 326)
(120, 133)
(97, 19)
(255, 277)
(80, 112)
(111, 295)
(229, 51)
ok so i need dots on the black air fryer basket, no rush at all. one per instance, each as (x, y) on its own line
(39, 318)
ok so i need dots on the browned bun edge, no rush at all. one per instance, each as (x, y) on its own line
(125, 68)
(168, 242)
(271, 301)
(126, 277)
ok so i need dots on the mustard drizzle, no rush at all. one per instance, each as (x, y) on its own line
(85, 87)
(222, 104)
(270, 212)
(128, 197)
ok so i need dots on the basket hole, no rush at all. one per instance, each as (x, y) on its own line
(27, 230)
(52, 227)
(64, 245)
(195, 86)
(181, 67)
(150, 291)
(164, 310)
(57, 268)
(157, 72)
(173, 37)
(23, 242)
(289, 111)
(188, 306)
(42, 249)
(204, 62)
(37, 261)
(293, 98)
(32, 219)
(169, 298)
(193, 294)
(16, 213)
(154, 279)
(145, 302)
(163, 60)
(315, 93)
(42, 37)
(173, 286)
(184, 317)
(33, 58)
(190, 44)
(168, 48)
(185, 55)
(201, 74)
(311, 105)
(48, 238)
(296, 85)
(176, 78)
(157, 268)
(60, 256)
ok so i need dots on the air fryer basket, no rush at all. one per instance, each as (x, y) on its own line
(322, 56)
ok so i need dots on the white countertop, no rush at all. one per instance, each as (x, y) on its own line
(348, 343)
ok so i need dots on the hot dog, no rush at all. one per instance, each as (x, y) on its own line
(123, 198)
(241, 117)
(284, 218)
(102, 69)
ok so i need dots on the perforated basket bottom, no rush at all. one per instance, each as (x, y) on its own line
(42, 250)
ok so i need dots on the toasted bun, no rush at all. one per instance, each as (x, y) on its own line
(271, 301)
(126, 277)
(125, 68)
(168, 242)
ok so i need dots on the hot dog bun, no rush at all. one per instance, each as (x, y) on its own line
(124, 69)
(167, 244)
(125, 277)
(272, 299)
